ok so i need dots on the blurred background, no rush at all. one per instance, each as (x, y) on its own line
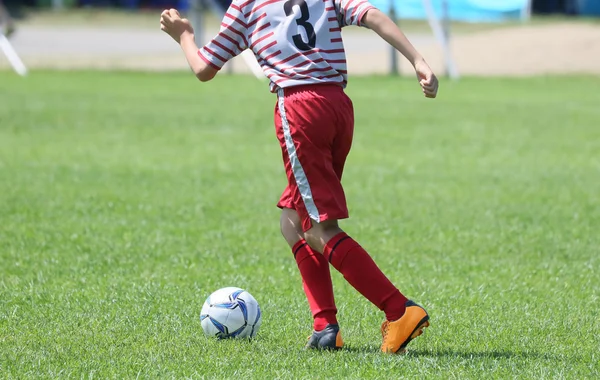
(126, 198)
(471, 37)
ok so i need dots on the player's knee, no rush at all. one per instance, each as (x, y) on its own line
(291, 227)
(321, 233)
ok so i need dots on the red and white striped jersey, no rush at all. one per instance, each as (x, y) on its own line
(296, 42)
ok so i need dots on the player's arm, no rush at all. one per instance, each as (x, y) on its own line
(388, 30)
(182, 32)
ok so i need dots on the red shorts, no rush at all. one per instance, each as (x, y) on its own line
(314, 125)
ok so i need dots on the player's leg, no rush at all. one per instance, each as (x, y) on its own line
(357, 267)
(313, 267)
(316, 282)
(324, 234)
(291, 228)
(405, 319)
(349, 258)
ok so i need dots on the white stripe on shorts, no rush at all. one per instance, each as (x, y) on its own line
(297, 169)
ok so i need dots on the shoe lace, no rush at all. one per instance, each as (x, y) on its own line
(384, 329)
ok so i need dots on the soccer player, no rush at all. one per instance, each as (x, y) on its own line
(299, 45)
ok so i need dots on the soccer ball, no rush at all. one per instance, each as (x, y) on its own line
(230, 313)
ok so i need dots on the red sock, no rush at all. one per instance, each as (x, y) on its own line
(359, 269)
(316, 281)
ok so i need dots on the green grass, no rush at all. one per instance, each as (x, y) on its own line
(126, 198)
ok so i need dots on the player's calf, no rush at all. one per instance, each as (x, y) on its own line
(316, 279)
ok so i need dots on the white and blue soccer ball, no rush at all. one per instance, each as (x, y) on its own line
(230, 313)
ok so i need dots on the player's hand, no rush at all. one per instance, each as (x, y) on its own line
(427, 79)
(175, 26)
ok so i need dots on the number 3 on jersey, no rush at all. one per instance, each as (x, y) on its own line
(303, 22)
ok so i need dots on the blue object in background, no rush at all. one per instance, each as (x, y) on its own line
(588, 7)
(459, 10)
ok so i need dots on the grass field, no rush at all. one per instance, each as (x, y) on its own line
(126, 198)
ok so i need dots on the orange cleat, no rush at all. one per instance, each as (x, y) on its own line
(397, 334)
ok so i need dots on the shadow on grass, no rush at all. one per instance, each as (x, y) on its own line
(493, 354)
(466, 354)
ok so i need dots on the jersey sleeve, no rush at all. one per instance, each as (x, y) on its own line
(351, 12)
(230, 41)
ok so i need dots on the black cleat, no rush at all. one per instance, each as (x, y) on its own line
(329, 338)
